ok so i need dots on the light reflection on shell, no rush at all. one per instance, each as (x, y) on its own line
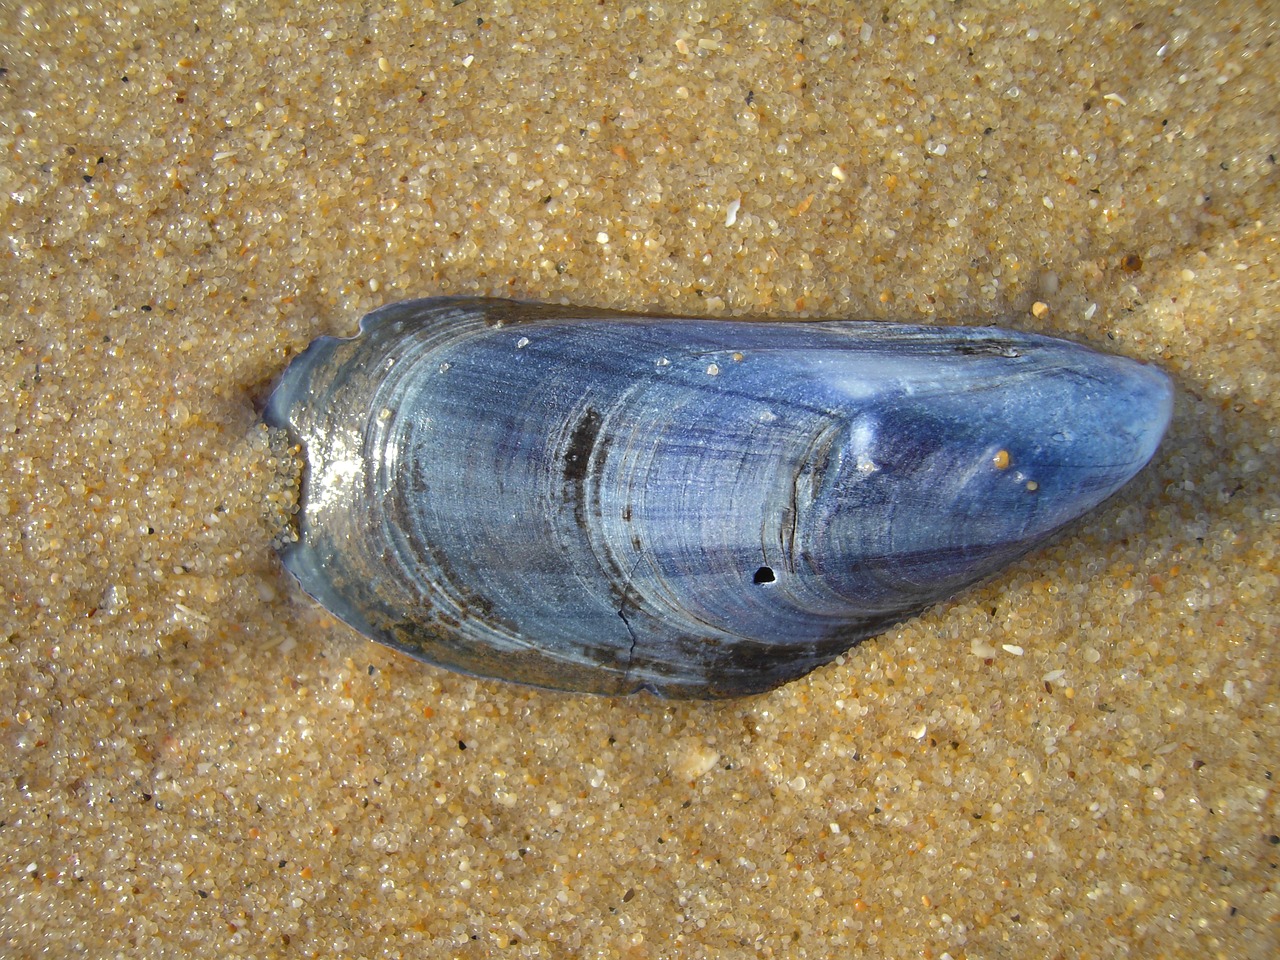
(606, 503)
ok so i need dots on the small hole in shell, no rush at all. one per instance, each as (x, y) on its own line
(764, 575)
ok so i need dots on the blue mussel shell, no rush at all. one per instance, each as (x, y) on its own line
(607, 502)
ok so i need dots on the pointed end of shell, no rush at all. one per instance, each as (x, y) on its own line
(1128, 427)
(1153, 404)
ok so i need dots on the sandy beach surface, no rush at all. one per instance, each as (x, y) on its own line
(1076, 759)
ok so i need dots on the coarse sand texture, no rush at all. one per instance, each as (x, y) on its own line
(1075, 759)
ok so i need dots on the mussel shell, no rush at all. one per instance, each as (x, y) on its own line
(702, 508)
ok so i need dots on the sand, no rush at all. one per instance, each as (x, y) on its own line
(1076, 759)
